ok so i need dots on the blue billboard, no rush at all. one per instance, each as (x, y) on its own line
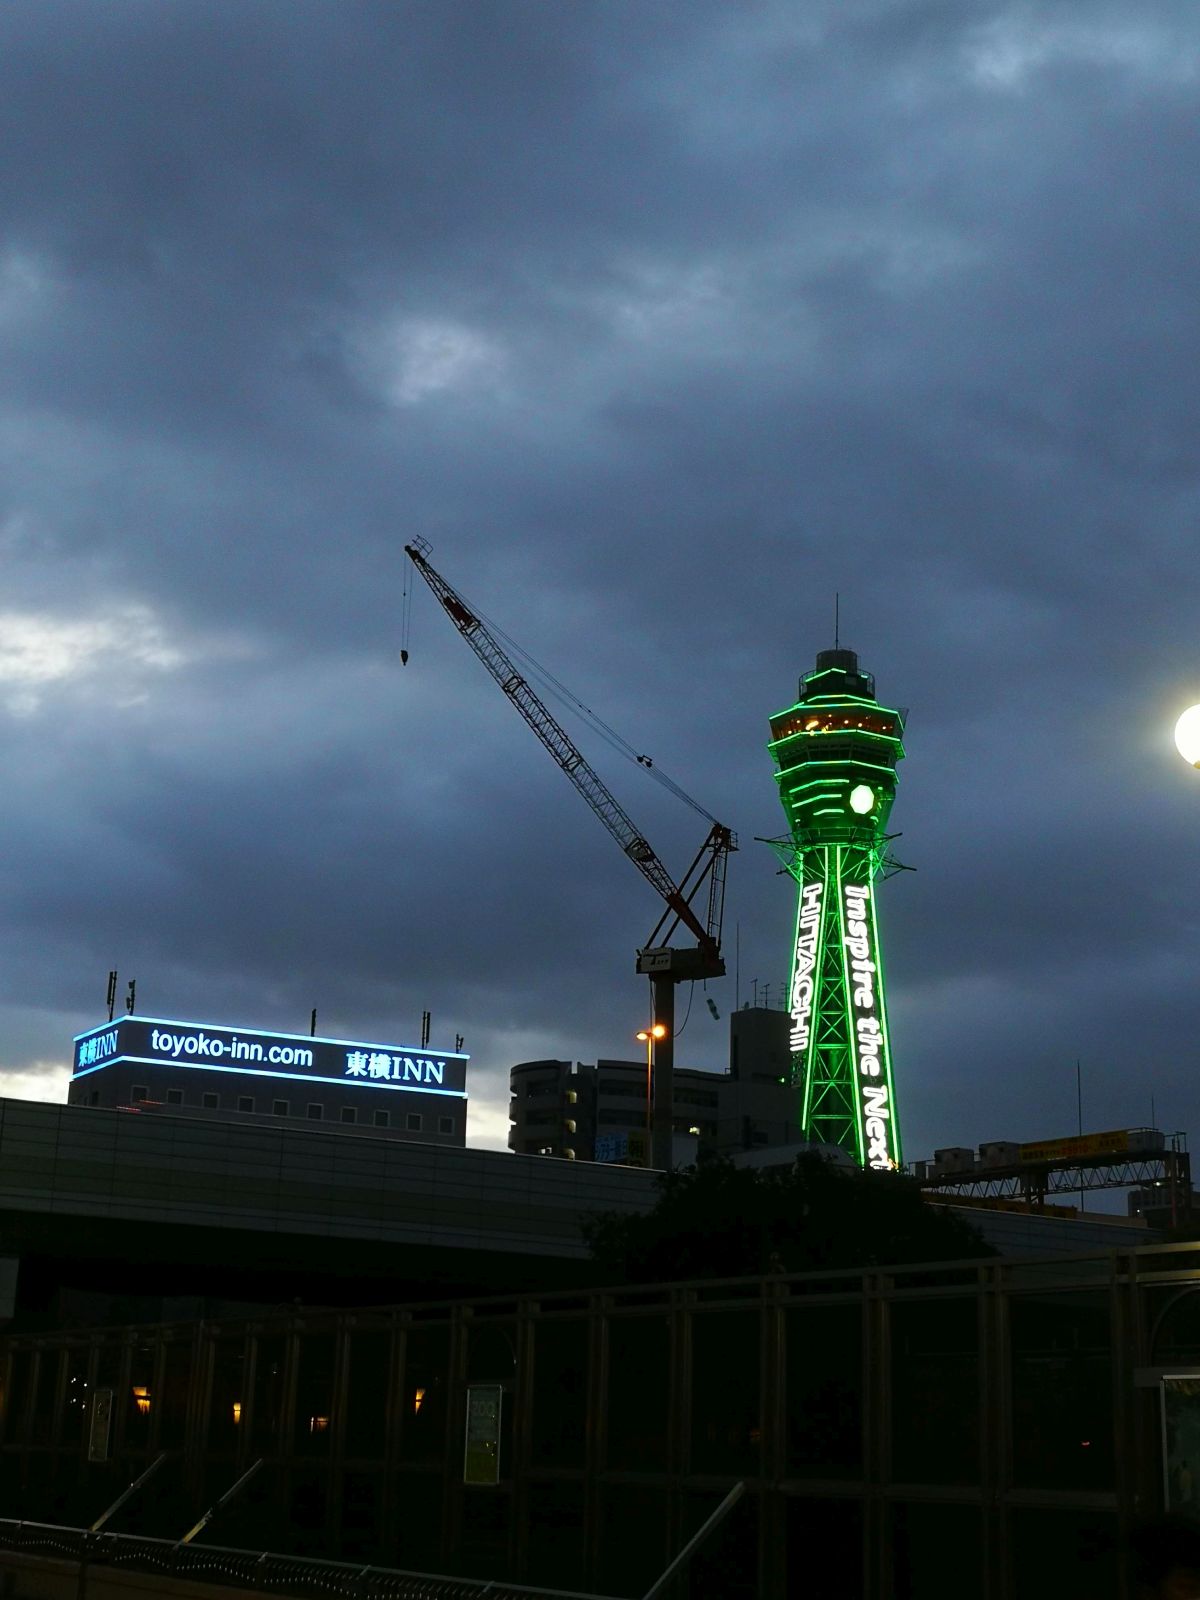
(152, 1041)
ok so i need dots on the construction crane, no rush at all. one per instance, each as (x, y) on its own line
(663, 963)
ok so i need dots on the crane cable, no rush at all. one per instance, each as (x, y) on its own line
(406, 599)
(688, 1012)
(559, 691)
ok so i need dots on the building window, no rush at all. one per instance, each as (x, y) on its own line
(315, 1111)
(211, 1102)
(413, 1122)
(174, 1097)
(245, 1102)
(138, 1093)
(349, 1114)
(95, 1097)
(445, 1124)
(382, 1119)
(279, 1108)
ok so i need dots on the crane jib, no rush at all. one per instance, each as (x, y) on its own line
(710, 862)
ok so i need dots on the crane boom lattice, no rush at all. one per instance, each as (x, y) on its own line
(665, 965)
(579, 770)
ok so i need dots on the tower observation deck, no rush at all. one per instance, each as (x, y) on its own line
(836, 751)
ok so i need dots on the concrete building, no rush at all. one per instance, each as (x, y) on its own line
(599, 1113)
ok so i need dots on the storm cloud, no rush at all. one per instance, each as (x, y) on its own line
(663, 324)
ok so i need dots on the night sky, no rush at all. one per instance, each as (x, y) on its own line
(663, 324)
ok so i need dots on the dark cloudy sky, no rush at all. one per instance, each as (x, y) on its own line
(662, 323)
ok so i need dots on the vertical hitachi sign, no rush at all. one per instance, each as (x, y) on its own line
(804, 961)
(868, 1029)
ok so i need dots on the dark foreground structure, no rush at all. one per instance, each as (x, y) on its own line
(988, 1429)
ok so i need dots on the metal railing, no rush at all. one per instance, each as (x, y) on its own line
(301, 1577)
(298, 1577)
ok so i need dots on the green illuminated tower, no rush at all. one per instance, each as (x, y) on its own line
(836, 750)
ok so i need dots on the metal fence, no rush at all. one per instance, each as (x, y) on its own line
(989, 1428)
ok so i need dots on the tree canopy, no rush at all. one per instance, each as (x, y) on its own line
(717, 1220)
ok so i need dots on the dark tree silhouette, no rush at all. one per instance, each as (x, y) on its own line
(721, 1221)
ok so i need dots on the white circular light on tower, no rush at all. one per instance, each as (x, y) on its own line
(862, 798)
(1187, 736)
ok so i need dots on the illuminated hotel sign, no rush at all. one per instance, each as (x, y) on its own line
(808, 926)
(150, 1041)
(868, 1031)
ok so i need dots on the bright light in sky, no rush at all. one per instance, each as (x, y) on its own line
(1187, 736)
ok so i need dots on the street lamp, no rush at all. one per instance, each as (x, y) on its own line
(1187, 736)
(648, 1036)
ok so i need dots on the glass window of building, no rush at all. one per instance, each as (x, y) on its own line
(1062, 1390)
(413, 1122)
(174, 1097)
(726, 1429)
(639, 1388)
(937, 1549)
(349, 1114)
(211, 1101)
(381, 1119)
(279, 1108)
(245, 1102)
(935, 1391)
(315, 1111)
(445, 1124)
(423, 1393)
(560, 1400)
(138, 1093)
(824, 1391)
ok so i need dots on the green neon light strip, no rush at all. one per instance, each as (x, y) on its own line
(829, 811)
(851, 1031)
(841, 761)
(815, 783)
(833, 699)
(844, 700)
(886, 1052)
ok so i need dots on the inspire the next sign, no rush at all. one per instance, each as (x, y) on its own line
(870, 1036)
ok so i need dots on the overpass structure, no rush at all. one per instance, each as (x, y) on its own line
(110, 1214)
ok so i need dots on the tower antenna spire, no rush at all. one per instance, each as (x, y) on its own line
(837, 619)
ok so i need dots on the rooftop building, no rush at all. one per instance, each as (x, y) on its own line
(217, 1072)
(580, 1112)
